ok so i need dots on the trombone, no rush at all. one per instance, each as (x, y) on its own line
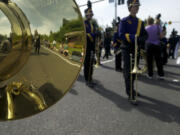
(135, 69)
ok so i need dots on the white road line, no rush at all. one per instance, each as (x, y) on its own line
(178, 61)
(107, 61)
(104, 62)
(62, 57)
(175, 80)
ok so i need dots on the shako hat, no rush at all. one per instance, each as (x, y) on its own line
(131, 3)
(89, 11)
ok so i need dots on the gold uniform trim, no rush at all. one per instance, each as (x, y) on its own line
(139, 27)
(119, 41)
(114, 44)
(128, 38)
(92, 28)
(90, 37)
(134, 1)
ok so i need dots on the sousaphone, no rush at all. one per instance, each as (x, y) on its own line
(32, 81)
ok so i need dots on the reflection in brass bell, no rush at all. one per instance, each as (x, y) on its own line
(41, 54)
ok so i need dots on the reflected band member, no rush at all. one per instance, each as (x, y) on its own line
(90, 47)
(37, 42)
(129, 28)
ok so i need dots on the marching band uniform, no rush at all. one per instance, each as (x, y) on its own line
(173, 41)
(177, 48)
(118, 54)
(90, 48)
(107, 44)
(98, 46)
(164, 46)
(129, 27)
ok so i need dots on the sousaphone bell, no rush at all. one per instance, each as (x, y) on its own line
(32, 81)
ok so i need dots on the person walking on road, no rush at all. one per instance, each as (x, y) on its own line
(90, 48)
(107, 44)
(117, 50)
(130, 28)
(173, 40)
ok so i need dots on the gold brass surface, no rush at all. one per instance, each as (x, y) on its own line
(135, 69)
(144, 56)
(32, 82)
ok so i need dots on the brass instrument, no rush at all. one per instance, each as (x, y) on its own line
(30, 83)
(97, 50)
(135, 69)
(144, 56)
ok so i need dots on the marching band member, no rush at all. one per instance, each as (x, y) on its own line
(129, 28)
(90, 48)
(117, 50)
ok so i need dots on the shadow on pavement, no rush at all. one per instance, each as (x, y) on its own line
(161, 110)
(81, 78)
(158, 109)
(167, 84)
(172, 65)
(120, 101)
(73, 91)
(107, 67)
(168, 73)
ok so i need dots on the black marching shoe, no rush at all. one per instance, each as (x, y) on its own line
(133, 101)
(119, 69)
(90, 84)
(134, 92)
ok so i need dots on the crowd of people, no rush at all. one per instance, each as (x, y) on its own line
(130, 34)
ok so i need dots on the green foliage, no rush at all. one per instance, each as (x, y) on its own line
(68, 26)
(3, 37)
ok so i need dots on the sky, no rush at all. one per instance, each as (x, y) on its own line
(104, 11)
(46, 15)
(43, 15)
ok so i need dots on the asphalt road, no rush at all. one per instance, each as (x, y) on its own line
(104, 110)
